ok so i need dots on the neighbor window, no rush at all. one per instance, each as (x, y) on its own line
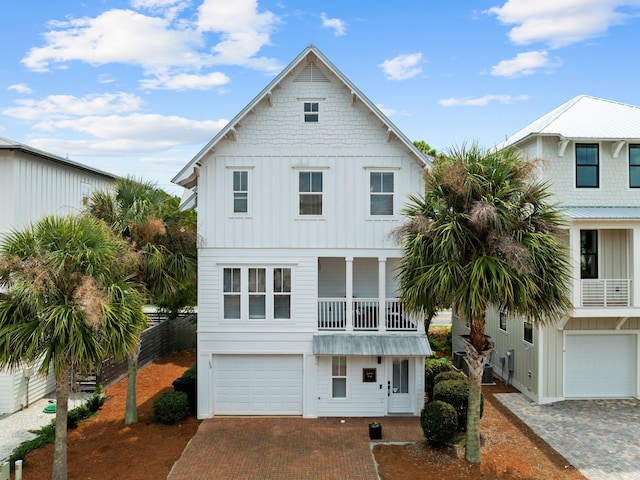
(231, 288)
(587, 165)
(634, 166)
(588, 254)
(311, 112)
(339, 377)
(503, 321)
(310, 192)
(86, 194)
(527, 335)
(240, 191)
(381, 193)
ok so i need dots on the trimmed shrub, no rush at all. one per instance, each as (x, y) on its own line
(432, 368)
(192, 372)
(439, 422)
(456, 394)
(449, 375)
(170, 407)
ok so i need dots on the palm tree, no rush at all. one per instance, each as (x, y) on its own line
(483, 234)
(163, 237)
(68, 303)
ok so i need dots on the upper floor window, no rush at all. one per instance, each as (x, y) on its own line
(587, 165)
(311, 112)
(240, 191)
(381, 188)
(634, 166)
(588, 254)
(310, 193)
(503, 321)
(257, 293)
(527, 333)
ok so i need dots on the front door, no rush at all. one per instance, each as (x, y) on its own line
(398, 386)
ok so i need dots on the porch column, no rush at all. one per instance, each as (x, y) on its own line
(349, 294)
(382, 294)
(635, 271)
(574, 252)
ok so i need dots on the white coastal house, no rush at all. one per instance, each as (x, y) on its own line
(34, 184)
(588, 150)
(297, 200)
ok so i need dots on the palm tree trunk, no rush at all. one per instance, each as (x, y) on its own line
(59, 471)
(131, 407)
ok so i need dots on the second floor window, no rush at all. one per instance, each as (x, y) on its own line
(381, 193)
(634, 166)
(588, 254)
(241, 191)
(587, 165)
(257, 293)
(527, 333)
(310, 192)
(503, 321)
(311, 112)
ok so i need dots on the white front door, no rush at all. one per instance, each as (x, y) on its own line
(398, 386)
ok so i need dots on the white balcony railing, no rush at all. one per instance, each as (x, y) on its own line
(603, 292)
(332, 315)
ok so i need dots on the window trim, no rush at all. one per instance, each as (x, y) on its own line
(372, 194)
(231, 195)
(635, 146)
(300, 171)
(596, 166)
(311, 113)
(502, 321)
(336, 377)
(524, 331)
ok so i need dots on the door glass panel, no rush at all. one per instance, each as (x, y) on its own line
(400, 375)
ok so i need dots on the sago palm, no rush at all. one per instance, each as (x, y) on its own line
(67, 303)
(483, 234)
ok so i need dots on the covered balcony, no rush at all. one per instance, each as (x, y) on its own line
(359, 294)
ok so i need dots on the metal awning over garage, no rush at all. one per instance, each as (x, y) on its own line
(378, 345)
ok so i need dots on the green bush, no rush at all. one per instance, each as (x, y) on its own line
(449, 375)
(432, 368)
(439, 422)
(192, 372)
(170, 407)
(456, 394)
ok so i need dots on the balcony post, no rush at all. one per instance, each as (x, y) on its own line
(635, 272)
(349, 294)
(574, 252)
(382, 294)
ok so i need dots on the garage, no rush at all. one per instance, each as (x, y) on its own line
(257, 384)
(600, 366)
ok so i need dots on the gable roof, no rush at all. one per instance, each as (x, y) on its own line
(188, 175)
(584, 117)
(6, 144)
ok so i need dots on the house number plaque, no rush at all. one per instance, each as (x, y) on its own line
(369, 375)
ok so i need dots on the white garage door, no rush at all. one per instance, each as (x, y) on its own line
(600, 366)
(258, 384)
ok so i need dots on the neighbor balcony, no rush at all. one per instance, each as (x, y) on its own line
(603, 292)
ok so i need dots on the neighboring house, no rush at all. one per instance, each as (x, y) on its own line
(33, 184)
(298, 310)
(588, 150)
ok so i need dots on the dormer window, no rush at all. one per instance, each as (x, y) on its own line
(311, 112)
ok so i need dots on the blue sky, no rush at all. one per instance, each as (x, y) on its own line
(137, 87)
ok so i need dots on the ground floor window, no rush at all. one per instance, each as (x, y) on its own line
(339, 377)
(528, 332)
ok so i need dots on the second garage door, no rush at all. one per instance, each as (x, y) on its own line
(258, 384)
(600, 366)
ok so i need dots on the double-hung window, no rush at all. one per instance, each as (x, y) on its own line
(588, 254)
(381, 189)
(257, 293)
(339, 377)
(634, 166)
(587, 165)
(240, 191)
(527, 331)
(310, 193)
(311, 112)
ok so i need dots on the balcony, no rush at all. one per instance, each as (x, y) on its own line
(605, 292)
(332, 315)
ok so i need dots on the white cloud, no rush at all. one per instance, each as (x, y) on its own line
(387, 111)
(339, 26)
(243, 31)
(19, 88)
(560, 23)
(61, 106)
(402, 67)
(185, 81)
(481, 101)
(525, 63)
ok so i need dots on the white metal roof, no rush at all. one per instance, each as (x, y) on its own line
(602, 213)
(584, 117)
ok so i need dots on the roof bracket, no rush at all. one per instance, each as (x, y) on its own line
(389, 134)
(617, 146)
(354, 97)
(562, 146)
(269, 98)
(232, 134)
(621, 322)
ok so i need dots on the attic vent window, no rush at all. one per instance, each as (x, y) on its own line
(311, 112)
(311, 73)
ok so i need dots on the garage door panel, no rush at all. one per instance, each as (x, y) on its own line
(258, 384)
(600, 366)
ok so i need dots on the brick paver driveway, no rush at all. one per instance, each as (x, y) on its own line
(287, 448)
(601, 438)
